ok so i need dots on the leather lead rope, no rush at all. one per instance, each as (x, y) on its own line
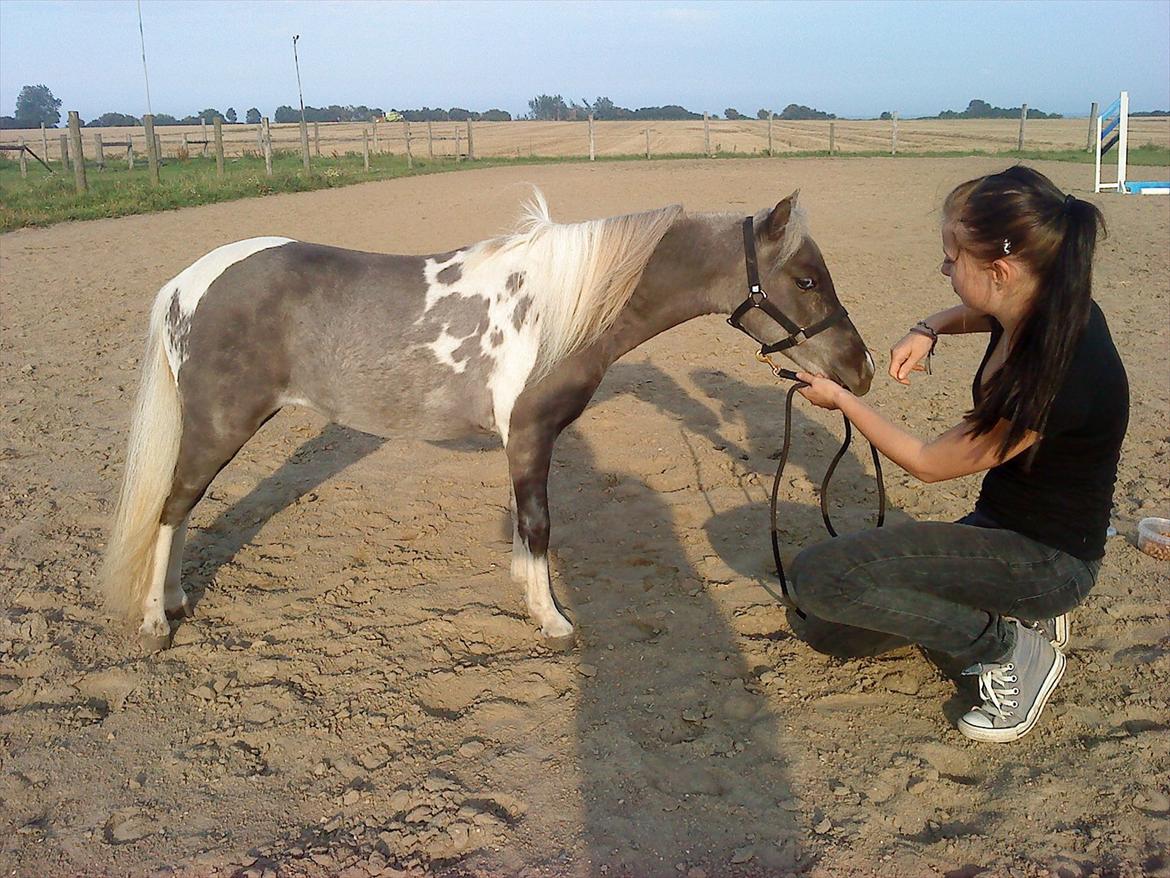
(784, 596)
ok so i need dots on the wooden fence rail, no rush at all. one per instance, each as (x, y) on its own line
(588, 139)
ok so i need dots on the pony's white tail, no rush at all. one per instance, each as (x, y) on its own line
(150, 467)
(583, 274)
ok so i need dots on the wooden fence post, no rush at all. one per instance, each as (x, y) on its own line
(376, 136)
(23, 161)
(186, 147)
(78, 153)
(305, 143)
(152, 156)
(458, 146)
(1092, 127)
(267, 145)
(430, 141)
(406, 134)
(317, 139)
(1023, 119)
(592, 150)
(706, 137)
(647, 143)
(366, 148)
(99, 151)
(894, 135)
(832, 137)
(158, 147)
(770, 134)
(218, 123)
(64, 151)
(129, 152)
(259, 138)
(470, 143)
(45, 139)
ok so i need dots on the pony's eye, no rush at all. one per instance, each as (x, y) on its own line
(806, 283)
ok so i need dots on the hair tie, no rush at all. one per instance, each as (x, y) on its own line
(1068, 202)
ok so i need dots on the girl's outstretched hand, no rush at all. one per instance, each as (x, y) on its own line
(907, 356)
(821, 391)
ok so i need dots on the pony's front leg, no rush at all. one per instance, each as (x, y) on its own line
(528, 462)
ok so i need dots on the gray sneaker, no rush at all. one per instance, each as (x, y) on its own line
(1015, 690)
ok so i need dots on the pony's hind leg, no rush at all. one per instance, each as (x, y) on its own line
(203, 452)
(174, 598)
(165, 599)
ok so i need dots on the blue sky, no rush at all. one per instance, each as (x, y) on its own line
(849, 58)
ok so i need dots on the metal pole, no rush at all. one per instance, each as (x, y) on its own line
(300, 94)
(145, 75)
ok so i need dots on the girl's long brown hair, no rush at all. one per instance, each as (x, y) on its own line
(1055, 235)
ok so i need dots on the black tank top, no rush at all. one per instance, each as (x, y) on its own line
(1063, 496)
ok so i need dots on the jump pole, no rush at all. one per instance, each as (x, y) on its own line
(1112, 129)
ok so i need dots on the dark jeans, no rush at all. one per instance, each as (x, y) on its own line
(942, 586)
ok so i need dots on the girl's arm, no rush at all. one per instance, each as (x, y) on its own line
(907, 355)
(958, 320)
(955, 453)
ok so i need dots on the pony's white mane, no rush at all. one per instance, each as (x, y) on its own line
(581, 275)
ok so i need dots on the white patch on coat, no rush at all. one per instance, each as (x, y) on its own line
(192, 283)
(445, 345)
(485, 277)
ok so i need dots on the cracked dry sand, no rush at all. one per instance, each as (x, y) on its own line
(360, 692)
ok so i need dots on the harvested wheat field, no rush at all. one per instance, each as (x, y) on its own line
(360, 692)
(561, 139)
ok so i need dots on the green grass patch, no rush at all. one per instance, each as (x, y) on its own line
(47, 198)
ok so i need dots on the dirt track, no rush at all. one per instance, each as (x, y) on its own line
(361, 692)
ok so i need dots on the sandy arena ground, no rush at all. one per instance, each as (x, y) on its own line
(361, 693)
(519, 139)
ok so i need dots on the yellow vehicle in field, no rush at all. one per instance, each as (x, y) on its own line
(393, 117)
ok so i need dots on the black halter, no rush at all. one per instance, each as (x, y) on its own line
(757, 298)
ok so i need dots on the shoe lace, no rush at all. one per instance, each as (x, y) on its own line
(996, 688)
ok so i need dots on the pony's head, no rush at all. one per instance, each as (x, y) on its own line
(798, 288)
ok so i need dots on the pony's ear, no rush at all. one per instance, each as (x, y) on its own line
(781, 213)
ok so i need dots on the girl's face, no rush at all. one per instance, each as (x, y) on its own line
(972, 282)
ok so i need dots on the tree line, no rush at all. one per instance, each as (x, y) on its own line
(36, 104)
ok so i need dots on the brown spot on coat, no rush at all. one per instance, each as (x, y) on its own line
(450, 274)
(521, 311)
(515, 281)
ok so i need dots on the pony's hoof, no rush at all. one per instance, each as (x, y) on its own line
(154, 643)
(559, 642)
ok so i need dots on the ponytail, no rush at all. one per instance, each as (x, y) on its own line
(1056, 236)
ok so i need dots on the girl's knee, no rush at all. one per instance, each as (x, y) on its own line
(815, 577)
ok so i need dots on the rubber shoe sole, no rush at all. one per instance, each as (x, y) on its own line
(1014, 733)
(1060, 632)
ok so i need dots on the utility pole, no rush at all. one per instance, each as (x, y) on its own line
(300, 94)
(145, 75)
